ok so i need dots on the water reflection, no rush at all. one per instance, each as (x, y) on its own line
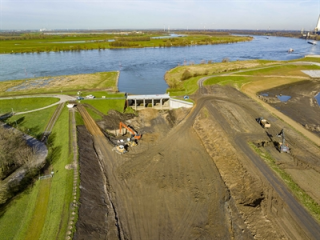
(283, 98)
(317, 97)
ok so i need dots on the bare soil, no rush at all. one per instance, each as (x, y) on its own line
(193, 175)
(302, 107)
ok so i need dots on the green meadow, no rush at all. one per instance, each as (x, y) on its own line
(37, 42)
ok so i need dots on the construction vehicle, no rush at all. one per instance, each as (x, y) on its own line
(263, 122)
(282, 146)
(134, 134)
(131, 143)
(120, 149)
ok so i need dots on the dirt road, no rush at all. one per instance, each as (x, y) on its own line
(169, 192)
(199, 179)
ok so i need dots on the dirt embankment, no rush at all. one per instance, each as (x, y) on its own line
(94, 206)
(245, 188)
(193, 177)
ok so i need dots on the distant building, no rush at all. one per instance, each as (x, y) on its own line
(317, 29)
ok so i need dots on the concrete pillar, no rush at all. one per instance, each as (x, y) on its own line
(161, 102)
(144, 102)
(135, 104)
(152, 103)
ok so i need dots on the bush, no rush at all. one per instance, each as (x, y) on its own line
(224, 60)
(186, 75)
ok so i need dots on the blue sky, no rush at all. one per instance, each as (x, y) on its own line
(143, 14)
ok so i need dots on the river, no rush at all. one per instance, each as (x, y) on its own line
(142, 70)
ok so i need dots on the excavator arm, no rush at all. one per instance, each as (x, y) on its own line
(134, 133)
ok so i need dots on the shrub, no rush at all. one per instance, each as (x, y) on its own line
(224, 60)
(186, 75)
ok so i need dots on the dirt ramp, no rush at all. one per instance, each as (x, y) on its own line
(246, 189)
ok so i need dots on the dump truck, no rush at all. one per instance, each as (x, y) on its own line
(263, 122)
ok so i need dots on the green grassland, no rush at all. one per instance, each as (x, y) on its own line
(36, 43)
(33, 123)
(25, 104)
(16, 216)
(104, 105)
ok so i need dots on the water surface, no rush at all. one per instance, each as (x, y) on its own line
(142, 70)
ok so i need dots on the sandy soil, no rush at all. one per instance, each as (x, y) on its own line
(193, 176)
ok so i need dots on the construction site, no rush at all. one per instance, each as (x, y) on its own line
(198, 173)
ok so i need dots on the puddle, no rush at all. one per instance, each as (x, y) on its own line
(283, 98)
(317, 97)
(264, 94)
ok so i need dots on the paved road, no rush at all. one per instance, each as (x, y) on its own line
(63, 99)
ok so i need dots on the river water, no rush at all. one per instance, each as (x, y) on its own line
(142, 70)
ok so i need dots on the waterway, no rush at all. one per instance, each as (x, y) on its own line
(142, 70)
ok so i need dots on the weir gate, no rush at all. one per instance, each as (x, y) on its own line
(156, 101)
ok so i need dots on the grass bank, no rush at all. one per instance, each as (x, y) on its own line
(27, 216)
(60, 198)
(25, 104)
(33, 123)
(183, 79)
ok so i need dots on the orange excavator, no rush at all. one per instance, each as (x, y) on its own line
(134, 134)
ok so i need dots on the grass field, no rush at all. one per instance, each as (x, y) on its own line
(32, 123)
(104, 105)
(61, 84)
(25, 104)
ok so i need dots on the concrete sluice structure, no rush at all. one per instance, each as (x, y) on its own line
(156, 101)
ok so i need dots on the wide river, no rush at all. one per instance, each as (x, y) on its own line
(142, 70)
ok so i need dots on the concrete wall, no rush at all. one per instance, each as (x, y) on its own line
(175, 103)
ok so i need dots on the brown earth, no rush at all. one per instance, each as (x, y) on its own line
(193, 176)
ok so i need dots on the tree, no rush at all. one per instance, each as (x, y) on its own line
(14, 152)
